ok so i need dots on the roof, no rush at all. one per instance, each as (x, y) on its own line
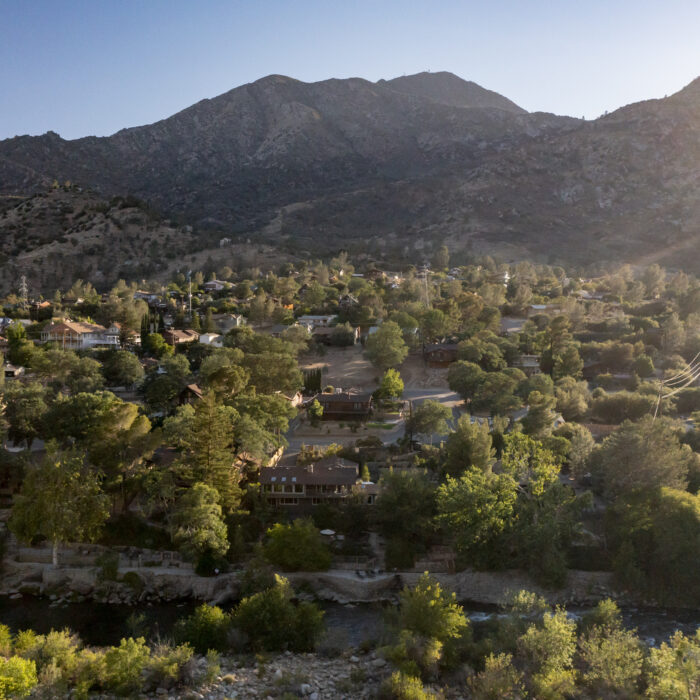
(78, 327)
(332, 471)
(194, 388)
(349, 396)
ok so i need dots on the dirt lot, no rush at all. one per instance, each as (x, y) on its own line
(348, 368)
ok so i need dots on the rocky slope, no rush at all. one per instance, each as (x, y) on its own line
(399, 164)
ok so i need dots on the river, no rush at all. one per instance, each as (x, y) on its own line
(103, 624)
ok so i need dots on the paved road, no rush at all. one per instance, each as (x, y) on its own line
(417, 396)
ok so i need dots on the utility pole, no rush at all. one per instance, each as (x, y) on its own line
(189, 277)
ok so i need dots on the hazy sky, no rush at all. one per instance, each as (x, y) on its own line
(95, 66)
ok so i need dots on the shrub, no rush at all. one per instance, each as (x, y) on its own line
(271, 622)
(400, 686)
(169, 665)
(5, 640)
(297, 547)
(134, 581)
(124, 665)
(109, 566)
(206, 628)
(17, 677)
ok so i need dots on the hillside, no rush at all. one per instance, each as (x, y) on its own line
(398, 165)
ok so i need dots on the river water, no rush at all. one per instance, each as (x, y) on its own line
(103, 624)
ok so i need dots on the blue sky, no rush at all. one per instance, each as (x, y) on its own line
(84, 67)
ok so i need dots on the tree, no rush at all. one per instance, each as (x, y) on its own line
(122, 368)
(611, 660)
(428, 418)
(539, 420)
(271, 622)
(404, 511)
(386, 348)
(209, 323)
(204, 435)
(297, 547)
(155, 345)
(441, 259)
(572, 398)
(499, 680)
(391, 385)
(430, 612)
(197, 524)
(25, 408)
(642, 456)
(674, 668)
(314, 411)
(470, 445)
(273, 371)
(60, 499)
(496, 394)
(478, 510)
(548, 651)
(464, 378)
(20, 350)
(568, 363)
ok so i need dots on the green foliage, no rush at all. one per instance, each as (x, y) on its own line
(427, 610)
(404, 511)
(386, 348)
(429, 417)
(17, 677)
(297, 547)
(197, 523)
(124, 665)
(499, 680)
(400, 686)
(271, 622)
(478, 512)
(391, 385)
(61, 500)
(470, 445)
(674, 669)
(206, 628)
(641, 457)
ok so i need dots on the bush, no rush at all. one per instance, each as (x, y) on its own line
(17, 677)
(206, 628)
(109, 566)
(297, 547)
(124, 665)
(400, 686)
(169, 666)
(134, 581)
(271, 622)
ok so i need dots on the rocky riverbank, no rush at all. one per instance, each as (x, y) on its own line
(352, 675)
(158, 585)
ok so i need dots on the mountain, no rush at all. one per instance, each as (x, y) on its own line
(395, 166)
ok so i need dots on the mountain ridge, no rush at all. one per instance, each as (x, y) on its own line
(401, 164)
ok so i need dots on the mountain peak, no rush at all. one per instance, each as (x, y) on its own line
(448, 88)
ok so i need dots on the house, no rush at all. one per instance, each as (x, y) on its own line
(440, 354)
(225, 322)
(150, 297)
(177, 337)
(75, 335)
(190, 394)
(536, 309)
(511, 324)
(327, 481)
(345, 405)
(347, 301)
(213, 339)
(214, 286)
(13, 371)
(530, 364)
(311, 321)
